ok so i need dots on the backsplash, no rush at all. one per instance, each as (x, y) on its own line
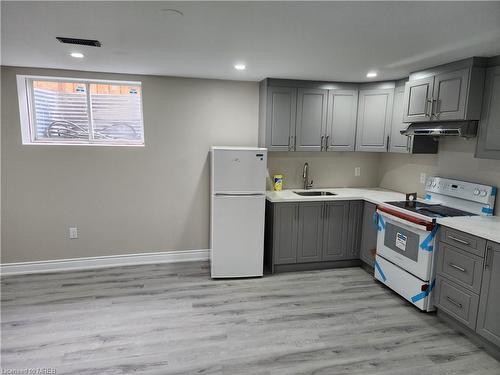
(455, 160)
(326, 169)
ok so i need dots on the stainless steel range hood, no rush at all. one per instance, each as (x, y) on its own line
(465, 129)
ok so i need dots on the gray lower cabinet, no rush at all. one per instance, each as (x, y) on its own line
(488, 142)
(374, 119)
(354, 229)
(311, 119)
(488, 320)
(341, 122)
(310, 231)
(284, 237)
(468, 283)
(368, 244)
(335, 231)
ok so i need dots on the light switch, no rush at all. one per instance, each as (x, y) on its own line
(73, 233)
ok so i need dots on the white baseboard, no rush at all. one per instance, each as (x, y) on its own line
(103, 262)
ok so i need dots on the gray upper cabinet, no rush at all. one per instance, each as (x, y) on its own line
(488, 319)
(335, 230)
(311, 119)
(285, 226)
(398, 142)
(374, 119)
(281, 104)
(450, 92)
(341, 122)
(418, 100)
(488, 142)
(369, 234)
(310, 232)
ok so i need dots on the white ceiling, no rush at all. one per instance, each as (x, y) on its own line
(323, 41)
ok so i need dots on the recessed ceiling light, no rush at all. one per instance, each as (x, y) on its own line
(371, 74)
(77, 55)
(240, 67)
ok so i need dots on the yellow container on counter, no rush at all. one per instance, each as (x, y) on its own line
(278, 182)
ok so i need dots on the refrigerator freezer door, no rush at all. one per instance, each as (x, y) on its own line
(237, 238)
(239, 170)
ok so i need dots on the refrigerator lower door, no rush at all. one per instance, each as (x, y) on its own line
(237, 236)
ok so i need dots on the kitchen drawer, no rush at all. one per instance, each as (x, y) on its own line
(457, 302)
(460, 267)
(464, 241)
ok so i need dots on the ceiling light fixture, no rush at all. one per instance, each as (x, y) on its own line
(77, 55)
(240, 67)
(371, 74)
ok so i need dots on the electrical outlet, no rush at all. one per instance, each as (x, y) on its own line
(423, 177)
(73, 233)
(357, 171)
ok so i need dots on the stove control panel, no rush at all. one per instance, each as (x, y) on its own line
(460, 189)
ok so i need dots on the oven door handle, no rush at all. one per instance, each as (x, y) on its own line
(406, 219)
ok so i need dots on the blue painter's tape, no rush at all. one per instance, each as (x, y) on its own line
(375, 219)
(379, 269)
(425, 293)
(381, 223)
(426, 243)
(494, 191)
(427, 197)
(487, 210)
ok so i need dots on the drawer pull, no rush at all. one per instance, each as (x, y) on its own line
(458, 240)
(456, 267)
(453, 302)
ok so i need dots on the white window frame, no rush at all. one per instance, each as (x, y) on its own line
(27, 113)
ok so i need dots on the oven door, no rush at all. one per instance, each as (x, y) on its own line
(406, 244)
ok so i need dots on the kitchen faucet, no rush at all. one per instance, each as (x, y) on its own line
(305, 177)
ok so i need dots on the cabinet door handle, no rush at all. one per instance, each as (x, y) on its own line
(294, 142)
(487, 257)
(321, 146)
(387, 144)
(289, 142)
(327, 141)
(456, 267)
(435, 110)
(458, 240)
(453, 302)
(427, 102)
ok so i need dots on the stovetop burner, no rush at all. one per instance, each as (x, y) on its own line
(430, 210)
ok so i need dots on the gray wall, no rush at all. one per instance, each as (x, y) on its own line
(327, 169)
(123, 200)
(455, 160)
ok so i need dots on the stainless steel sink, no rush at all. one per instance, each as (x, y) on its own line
(313, 193)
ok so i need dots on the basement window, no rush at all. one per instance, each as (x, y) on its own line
(67, 111)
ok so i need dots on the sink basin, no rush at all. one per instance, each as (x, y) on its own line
(313, 193)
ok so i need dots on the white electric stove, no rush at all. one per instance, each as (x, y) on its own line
(407, 232)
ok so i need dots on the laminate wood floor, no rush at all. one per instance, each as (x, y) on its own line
(173, 319)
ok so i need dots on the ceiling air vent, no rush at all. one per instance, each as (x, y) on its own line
(80, 42)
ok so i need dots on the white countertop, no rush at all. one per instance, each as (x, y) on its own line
(371, 195)
(482, 226)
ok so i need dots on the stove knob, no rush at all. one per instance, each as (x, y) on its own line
(476, 192)
(483, 193)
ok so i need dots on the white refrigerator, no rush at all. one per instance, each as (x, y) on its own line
(238, 198)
